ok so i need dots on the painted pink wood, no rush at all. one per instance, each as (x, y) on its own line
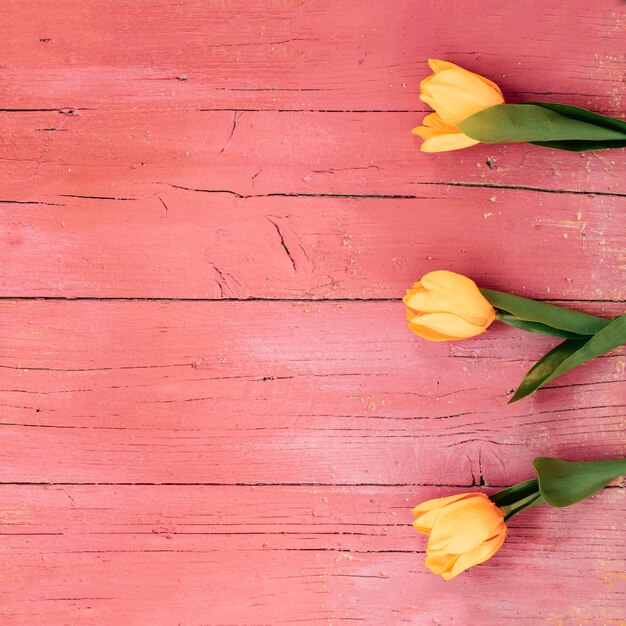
(267, 555)
(247, 463)
(177, 243)
(271, 392)
(298, 54)
(269, 152)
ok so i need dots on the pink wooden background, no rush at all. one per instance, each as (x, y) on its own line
(211, 411)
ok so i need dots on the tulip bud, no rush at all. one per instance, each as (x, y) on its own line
(463, 530)
(445, 306)
(455, 94)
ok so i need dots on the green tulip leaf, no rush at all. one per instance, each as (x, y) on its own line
(534, 327)
(545, 367)
(562, 483)
(555, 317)
(582, 115)
(580, 146)
(550, 125)
(570, 354)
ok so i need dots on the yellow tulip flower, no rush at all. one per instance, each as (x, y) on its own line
(463, 531)
(445, 306)
(455, 94)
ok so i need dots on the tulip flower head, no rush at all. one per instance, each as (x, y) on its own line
(455, 94)
(463, 530)
(469, 528)
(470, 109)
(445, 306)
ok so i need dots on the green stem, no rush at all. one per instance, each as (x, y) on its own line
(517, 498)
(532, 500)
(516, 493)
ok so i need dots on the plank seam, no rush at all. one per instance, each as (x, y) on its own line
(254, 299)
(259, 484)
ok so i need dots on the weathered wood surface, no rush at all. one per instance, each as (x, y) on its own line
(299, 54)
(181, 456)
(268, 152)
(181, 392)
(271, 555)
(180, 244)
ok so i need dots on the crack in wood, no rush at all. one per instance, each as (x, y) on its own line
(63, 110)
(524, 188)
(383, 196)
(72, 195)
(236, 117)
(31, 202)
(283, 244)
(379, 196)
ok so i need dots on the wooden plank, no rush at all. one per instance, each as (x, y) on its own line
(233, 555)
(47, 155)
(292, 54)
(183, 244)
(263, 392)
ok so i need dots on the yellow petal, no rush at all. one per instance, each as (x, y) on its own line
(426, 513)
(428, 333)
(447, 143)
(455, 93)
(432, 120)
(434, 124)
(446, 324)
(478, 555)
(425, 133)
(441, 137)
(438, 503)
(445, 280)
(454, 293)
(431, 302)
(441, 564)
(448, 566)
(437, 65)
(417, 288)
(466, 524)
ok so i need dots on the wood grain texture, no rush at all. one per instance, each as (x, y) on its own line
(181, 244)
(295, 54)
(180, 392)
(271, 555)
(255, 153)
(175, 449)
